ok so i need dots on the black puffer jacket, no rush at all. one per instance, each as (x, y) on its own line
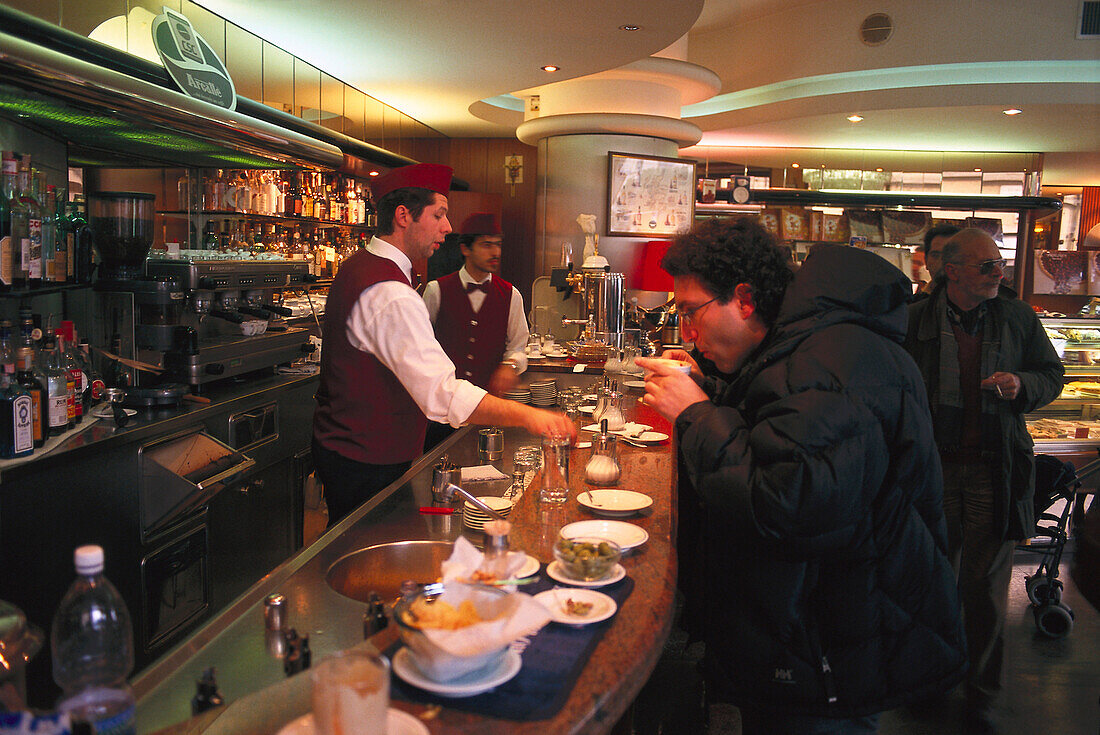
(820, 486)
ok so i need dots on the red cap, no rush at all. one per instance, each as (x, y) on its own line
(432, 176)
(480, 223)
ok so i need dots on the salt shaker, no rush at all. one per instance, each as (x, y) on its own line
(495, 559)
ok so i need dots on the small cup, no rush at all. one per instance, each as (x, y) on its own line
(351, 693)
(680, 365)
(555, 469)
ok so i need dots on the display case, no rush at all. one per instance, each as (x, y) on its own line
(1070, 425)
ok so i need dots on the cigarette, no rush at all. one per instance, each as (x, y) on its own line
(1000, 392)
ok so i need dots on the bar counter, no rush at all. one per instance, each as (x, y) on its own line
(234, 642)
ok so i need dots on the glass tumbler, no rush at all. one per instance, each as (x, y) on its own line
(351, 693)
(555, 469)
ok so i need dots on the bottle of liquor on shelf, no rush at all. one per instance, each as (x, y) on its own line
(78, 243)
(307, 196)
(292, 206)
(94, 386)
(8, 195)
(58, 362)
(49, 236)
(75, 367)
(61, 243)
(26, 225)
(16, 419)
(370, 216)
(30, 379)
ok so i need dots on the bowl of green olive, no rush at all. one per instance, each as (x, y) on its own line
(587, 558)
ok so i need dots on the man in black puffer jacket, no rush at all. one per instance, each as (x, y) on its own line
(831, 597)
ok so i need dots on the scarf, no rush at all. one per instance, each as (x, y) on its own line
(946, 403)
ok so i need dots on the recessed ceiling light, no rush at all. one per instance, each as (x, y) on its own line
(550, 67)
(1012, 111)
(629, 27)
(878, 169)
(977, 169)
(794, 165)
(855, 118)
(373, 173)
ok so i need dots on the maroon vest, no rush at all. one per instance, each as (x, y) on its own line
(474, 342)
(970, 380)
(363, 411)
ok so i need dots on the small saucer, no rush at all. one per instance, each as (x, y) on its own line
(398, 722)
(556, 572)
(473, 683)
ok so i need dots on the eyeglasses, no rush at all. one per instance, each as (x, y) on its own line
(688, 315)
(986, 266)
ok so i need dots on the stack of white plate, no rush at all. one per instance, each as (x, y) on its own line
(522, 395)
(544, 393)
(475, 518)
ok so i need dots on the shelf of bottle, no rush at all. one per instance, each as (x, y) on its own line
(275, 219)
(24, 292)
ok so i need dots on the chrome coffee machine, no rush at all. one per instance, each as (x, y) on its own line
(203, 320)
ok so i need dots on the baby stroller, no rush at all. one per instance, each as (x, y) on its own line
(1054, 480)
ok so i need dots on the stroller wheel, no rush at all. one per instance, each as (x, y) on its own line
(1054, 620)
(1037, 589)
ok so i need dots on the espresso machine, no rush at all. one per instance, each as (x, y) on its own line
(601, 307)
(192, 321)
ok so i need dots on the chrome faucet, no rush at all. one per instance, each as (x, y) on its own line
(447, 493)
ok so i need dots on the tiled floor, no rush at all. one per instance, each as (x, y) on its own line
(1052, 685)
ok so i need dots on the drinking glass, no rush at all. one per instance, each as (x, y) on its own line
(555, 469)
(351, 693)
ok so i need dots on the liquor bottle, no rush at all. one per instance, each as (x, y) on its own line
(209, 237)
(58, 384)
(26, 376)
(16, 419)
(33, 264)
(320, 203)
(79, 242)
(61, 242)
(307, 196)
(49, 236)
(22, 214)
(7, 348)
(94, 385)
(8, 195)
(370, 216)
(74, 366)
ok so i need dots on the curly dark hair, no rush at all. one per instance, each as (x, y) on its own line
(723, 253)
(414, 198)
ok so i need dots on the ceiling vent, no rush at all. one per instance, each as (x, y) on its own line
(876, 29)
(1089, 25)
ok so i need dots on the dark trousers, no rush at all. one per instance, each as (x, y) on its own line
(347, 483)
(982, 561)
(770, 722)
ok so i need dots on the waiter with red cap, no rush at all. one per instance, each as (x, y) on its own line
(383, 374)
(478, 316)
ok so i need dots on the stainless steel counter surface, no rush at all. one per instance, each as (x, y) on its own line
(234, 642)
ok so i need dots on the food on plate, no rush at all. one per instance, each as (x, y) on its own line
(424, 613)
(578, 608)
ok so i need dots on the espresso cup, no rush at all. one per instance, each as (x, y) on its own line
(680, 365)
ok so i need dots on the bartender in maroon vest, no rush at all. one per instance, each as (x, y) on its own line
(383, 374)
(478, 316)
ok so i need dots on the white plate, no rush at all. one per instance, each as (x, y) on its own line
(590, 396)
(529, 567)
(582, 445)
(398, 722)
(626, 535)
(465, 686)
(634, 384)
(627, 428)
(554, 354)
(614, 502)
(554, 601)
(557, 573)
(587, 409)
(650, 437)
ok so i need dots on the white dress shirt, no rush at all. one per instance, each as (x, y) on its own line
(389, 321)
(515, 344)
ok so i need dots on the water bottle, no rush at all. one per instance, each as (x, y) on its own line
(93, 649)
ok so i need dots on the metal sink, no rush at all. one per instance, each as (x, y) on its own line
(383, 567)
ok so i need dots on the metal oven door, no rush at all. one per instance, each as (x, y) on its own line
(175, 582)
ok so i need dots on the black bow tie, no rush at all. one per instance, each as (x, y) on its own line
(483, 287)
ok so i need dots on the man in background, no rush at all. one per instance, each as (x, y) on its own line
(986, 362)
(934, 240)
(383, 374)
(818, 463)
(478, 317)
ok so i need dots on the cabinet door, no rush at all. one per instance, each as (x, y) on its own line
(251, 530)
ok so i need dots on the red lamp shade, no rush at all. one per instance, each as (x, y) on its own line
(648, 275)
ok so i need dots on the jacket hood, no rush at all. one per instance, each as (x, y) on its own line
(841, 284)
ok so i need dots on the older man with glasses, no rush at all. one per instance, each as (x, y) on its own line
(986, 362)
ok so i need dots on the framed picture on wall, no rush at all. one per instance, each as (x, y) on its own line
(649, 196)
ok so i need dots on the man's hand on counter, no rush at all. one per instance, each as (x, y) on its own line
(504, 378)
(537, 421)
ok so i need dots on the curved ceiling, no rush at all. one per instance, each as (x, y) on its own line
(792, 71)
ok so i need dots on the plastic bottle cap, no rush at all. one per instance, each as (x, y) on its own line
(88, 559)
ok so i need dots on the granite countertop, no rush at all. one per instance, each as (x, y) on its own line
(252, 679)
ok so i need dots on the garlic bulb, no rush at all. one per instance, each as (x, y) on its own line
(602, 470)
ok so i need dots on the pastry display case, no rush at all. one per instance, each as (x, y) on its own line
(1070, 425)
